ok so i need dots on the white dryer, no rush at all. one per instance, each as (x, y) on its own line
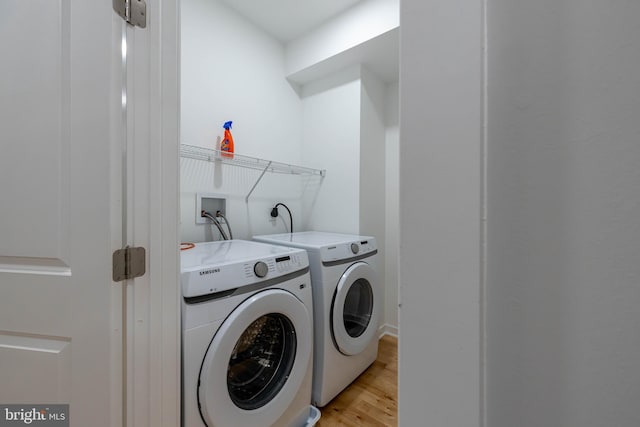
(247, 328)
(347, 303)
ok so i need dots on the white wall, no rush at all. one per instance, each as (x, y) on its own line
(230, 70)
(392, 206)
(373, 200)
(563, 284)
(331, 139)
(372, 150)
(440, 205)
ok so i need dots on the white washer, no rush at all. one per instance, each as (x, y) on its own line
(247, 328)
(347, 298)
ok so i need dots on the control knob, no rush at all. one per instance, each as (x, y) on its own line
(260, 269)
(355, 248)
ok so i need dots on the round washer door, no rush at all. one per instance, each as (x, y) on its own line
(256, 361)
(354, 312)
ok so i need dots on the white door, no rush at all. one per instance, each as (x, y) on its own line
(61, 217)
(60, 339)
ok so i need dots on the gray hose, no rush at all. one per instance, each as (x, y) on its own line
(226, 221)
(216, 223)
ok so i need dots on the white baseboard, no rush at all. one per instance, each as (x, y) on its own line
(387, 329)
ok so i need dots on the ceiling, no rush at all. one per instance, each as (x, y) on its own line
(287, 20)
(379, 55)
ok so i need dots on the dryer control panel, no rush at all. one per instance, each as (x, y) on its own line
(343, 251)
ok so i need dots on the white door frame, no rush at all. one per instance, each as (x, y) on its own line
(153, 304)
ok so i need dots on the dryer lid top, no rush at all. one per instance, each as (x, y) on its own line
(316, 239)
(329, 247)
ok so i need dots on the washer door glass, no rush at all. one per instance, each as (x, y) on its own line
(257, 361)
(354, 312)
(261, 361)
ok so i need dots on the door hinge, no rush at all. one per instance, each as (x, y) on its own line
(132, 11)
(128, 263)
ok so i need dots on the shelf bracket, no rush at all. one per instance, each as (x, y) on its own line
(246, 199)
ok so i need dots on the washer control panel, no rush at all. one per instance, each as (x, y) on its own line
(286, 264)
(274, 267)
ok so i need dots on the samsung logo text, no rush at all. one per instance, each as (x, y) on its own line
(210, 271)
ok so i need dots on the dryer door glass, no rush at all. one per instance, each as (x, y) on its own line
(358, 306)
(261, 361)
(355, 309)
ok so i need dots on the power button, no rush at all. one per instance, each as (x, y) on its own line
(260, 269)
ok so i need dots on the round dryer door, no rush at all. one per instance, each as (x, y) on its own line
(354, 312)
(256, 362)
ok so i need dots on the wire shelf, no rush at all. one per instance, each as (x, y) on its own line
(210, 155)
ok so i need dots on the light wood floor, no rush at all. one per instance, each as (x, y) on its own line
(372, 399)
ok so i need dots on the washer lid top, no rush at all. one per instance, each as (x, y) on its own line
(212, 267)
(214, 254)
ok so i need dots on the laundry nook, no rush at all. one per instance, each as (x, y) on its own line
(289, 140)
